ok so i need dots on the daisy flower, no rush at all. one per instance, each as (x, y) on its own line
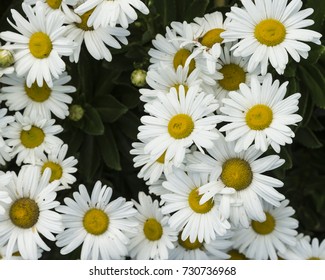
(234, 71)
(61, 167)
(4, 148)
(177, 121)
(16, 255)
(268, 30)
(96, 223)
(203, 222)
(113, 12)
(262, 240)
(6, 61)
(214, 250)
(154, 236)
(40, 44)
(29, 216)
(305, 249)
(31, 137)
(37, 101)
(258, 113)
(242, 173)
(4, 196)
(96, 39)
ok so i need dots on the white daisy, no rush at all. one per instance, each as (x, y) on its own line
(61, 167)
(242, 173)
(4, 148)
(305, 249)
(262, 240)
(6, 61)
(96, 40)
(177, 122)
(268, 30)
(154, 236)
(157, 188)
(37, 101)
(31, 137)
(40, 45)
(197, 221)
(96, 223)
(259, 114)
(112, 12)
(29, 216)
(16, 255)
(214, 250)
(4, 196)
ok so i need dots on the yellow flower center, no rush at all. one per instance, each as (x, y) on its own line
(37, 93)
(56, 170)
(54, 4)
(180, 126)
(187, 244)
(152, 229)
(177, 88)
(259, 117)
(194, 202)
(84, 18)
(161, 159)
(24, 213)
(270, 32)
(235, 255)
(40, 45)
(236, 173)
(32, 138)
(212, 37)
(265, 227)
(180, 58)
(314, 259)
(233, 76)
(95, 221)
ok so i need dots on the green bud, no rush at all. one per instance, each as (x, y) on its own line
(76, 112)
(138, 77)
(6, 58)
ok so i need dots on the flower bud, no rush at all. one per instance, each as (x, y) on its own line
(76, 112)
(138, 77)
(6, 58)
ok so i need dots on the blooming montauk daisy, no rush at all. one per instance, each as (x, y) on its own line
(203, 222)
(112, 12)
(31, 137)
(262, 240)
(258, 113)
(268, 30)
(305, 249)
(29, 214)
(154, 236)
(61, 167)
(4, 148)
(37, 101)
(96, 223)
(177, 121)
(242, 173)
(40, 44)
(4, 196)
(214, 250)
(95, 39)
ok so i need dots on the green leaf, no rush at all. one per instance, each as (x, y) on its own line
(109, 150)
(314, 54)
(307, 137)
(74, 140)
(286, 154)
(93, 123)
(290, 70)
(128, 95)
(109, 108)
(315, 125)
(167, 10)
(196, 8)
(129, 124)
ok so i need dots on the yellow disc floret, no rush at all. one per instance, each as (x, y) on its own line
(233, 76)
(265, 227)
(32, 138)
(84, 19)
(270, 32)
(236, 255)
(40, 45)
(37, 93)
(180, 58)
(259, 117)
(236, 173)
(161, 159)
(212, 37)
(54, 4)
(194, 202)
(152, 229)
(187, 244)
(180, 126)
(95, 221)
(24, 213)
(56, 170)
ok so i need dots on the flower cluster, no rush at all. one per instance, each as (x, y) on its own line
(215, 121)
